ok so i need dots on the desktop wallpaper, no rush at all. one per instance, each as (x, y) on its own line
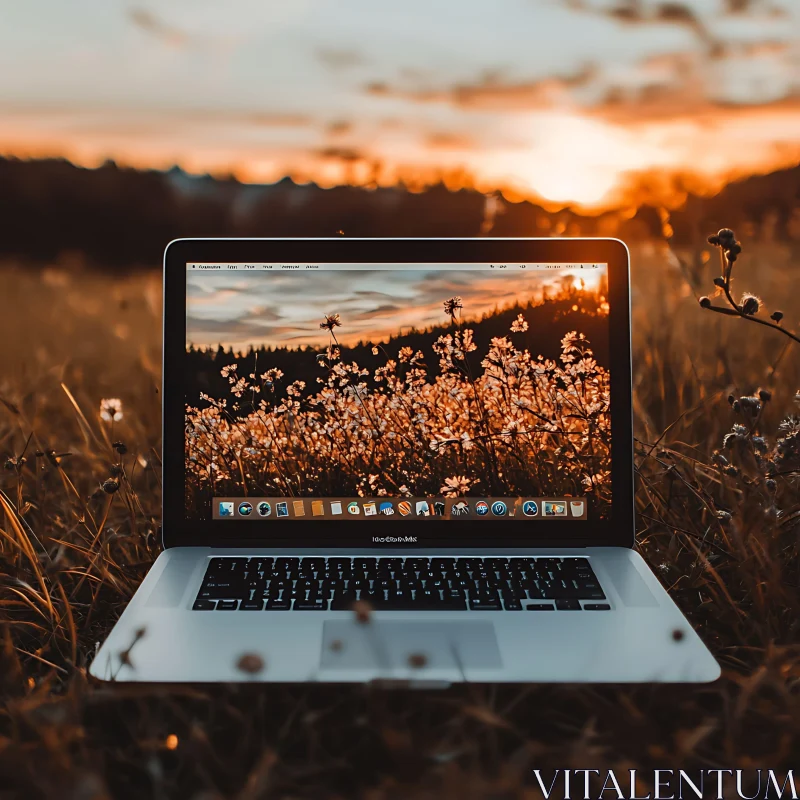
(404, 383)
(673, 125)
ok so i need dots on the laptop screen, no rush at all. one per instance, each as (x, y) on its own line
(386, 391)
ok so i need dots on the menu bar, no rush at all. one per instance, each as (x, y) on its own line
(357, 508)
(228, 266)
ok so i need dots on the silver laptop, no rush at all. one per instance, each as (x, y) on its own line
(399, 460)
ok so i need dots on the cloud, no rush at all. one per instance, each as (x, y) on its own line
(492, 91)
(339, 58)
(206, 331)
(450, 141)
(386, 310)
(341, 154)
(338, 127)
(149, 23)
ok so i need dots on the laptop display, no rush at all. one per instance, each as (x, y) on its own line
(436, 392)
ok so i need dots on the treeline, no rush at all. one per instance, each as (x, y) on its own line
(115, 217)
(547, 325)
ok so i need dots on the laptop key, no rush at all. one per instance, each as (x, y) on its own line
(274, 604)
(343, 601)
(485, 605)
(539, 607)
(251, 605)
(512, 605)
(311, 604)
(204, 605)
(596, 607)
(567, 604)
(227, 605)
(595, 594)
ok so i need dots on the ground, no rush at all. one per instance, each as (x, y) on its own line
(80, 509)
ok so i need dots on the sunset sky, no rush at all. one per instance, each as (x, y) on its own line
(286, 308)
(569, 100)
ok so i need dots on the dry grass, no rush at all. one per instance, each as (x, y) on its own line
(721, 533)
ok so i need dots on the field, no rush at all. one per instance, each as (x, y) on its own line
(718, 454)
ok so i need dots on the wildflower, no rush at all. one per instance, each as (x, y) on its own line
(331, 321)
(452, 305)
(455, 486)
(599, 479)
(111, 409)
(519, 325)
(750, 304)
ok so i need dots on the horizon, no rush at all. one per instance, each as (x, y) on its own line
(601, 106)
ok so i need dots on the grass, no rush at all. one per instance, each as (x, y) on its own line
(78, 518)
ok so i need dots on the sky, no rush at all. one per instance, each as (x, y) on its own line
(286, 308)
(568, 100)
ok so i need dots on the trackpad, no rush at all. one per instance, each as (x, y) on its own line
(398, 645)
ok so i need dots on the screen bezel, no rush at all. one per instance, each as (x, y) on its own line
(178, 531)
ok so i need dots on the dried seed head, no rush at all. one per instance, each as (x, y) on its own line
(251, 663)
(719, 281)
(776, 316)
(362, 611)
(417, 660)
(714, 239)
(726, 236)
(110, 486)
(750, 304)
(719, 459)
(765, 395)
(771, 485)
(734, 250)
(116, 470)
(748, 405)
(705, 302)
(120, 448)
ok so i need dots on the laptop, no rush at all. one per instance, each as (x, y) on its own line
(399, 460)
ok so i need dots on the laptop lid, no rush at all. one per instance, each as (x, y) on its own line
(397, 393)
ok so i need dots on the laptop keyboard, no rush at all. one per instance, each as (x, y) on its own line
(400, 584)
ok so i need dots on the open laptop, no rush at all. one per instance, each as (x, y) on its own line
(399, 460)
